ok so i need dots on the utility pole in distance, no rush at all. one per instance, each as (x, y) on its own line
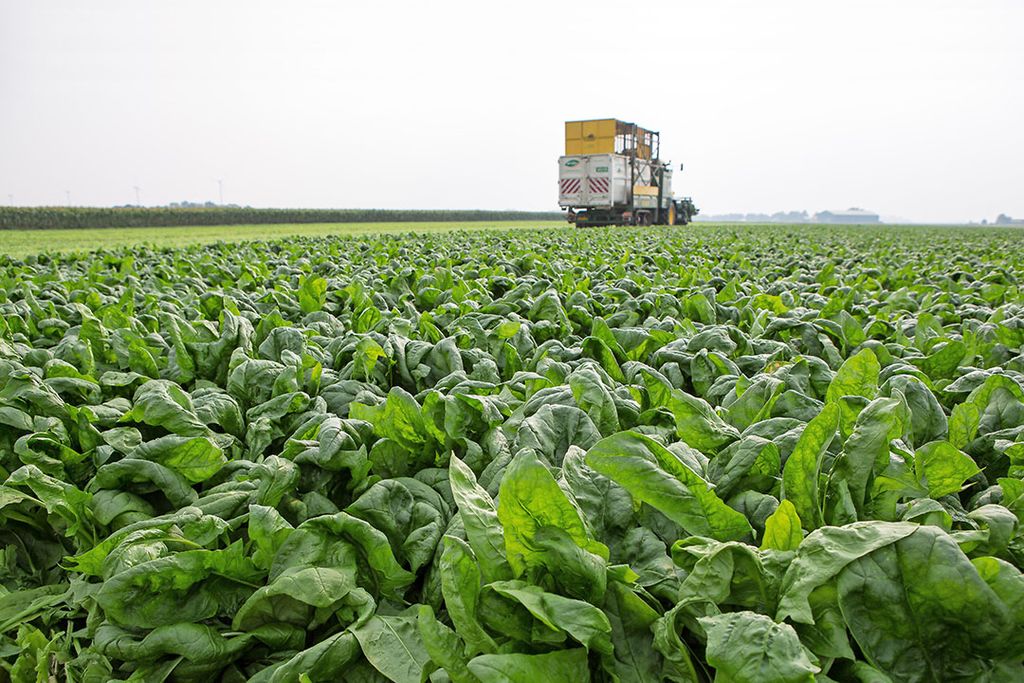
(67, 193)
(220, 190)
(137, 202)
(10, 198)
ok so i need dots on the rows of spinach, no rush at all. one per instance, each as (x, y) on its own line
(737, 455)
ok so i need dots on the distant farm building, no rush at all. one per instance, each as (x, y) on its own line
(848, 216)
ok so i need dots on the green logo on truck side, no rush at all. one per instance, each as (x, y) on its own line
(572, 162)
(602, 169)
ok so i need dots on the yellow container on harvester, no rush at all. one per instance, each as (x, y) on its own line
(601, 128)
(596, 136)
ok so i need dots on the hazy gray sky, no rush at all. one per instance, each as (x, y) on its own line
(912, 108)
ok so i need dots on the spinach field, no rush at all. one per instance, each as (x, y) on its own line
(693, 454)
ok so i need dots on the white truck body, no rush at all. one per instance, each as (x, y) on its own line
(593, 180)
(604, 180)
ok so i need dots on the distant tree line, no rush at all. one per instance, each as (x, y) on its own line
(1003, 219)
(53, 218)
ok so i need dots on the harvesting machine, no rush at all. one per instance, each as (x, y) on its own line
(611, 174)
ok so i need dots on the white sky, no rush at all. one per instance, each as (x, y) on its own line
(912, 108)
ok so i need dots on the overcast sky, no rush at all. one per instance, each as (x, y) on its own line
(910, 108)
